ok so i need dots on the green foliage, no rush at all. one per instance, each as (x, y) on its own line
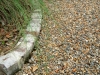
(16, 12)
(45, 10)
(10, 10)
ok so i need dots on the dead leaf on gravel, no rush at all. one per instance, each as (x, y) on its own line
(65, 64)
(57, 71)
(34, 68)
(86, 51)
(57, 48)
(74, 70)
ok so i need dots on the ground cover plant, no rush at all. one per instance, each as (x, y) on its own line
(14, 18)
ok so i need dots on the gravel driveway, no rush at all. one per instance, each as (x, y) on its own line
(69, 42)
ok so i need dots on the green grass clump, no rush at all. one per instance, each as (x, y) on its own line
(15, 12)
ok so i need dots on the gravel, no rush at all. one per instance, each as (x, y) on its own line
(69, 43)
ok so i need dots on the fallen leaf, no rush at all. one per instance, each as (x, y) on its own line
(86, 51)
(5, 39)
(65, 64)
(8, 36)
(34, 68)
(57, 71)
(15, 30)
(74, 70)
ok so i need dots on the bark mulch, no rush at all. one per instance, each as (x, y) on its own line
(69, 42)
